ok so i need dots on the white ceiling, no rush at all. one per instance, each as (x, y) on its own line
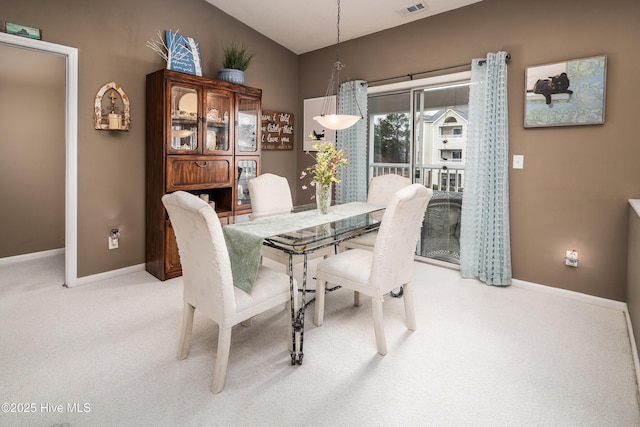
(305, 25)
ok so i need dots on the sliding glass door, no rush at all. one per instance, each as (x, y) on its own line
(421, 132)
(440, 121)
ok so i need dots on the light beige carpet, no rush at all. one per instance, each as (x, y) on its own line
(104, 354)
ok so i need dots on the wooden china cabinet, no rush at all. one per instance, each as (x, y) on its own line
(202, 137)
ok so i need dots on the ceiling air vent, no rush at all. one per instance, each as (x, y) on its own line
(422, 6)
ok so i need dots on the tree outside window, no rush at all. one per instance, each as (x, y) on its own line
(391, 138)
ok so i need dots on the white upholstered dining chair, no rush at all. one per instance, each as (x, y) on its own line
(381, 188)
(208, 280)
(389, 266)
(271, 196)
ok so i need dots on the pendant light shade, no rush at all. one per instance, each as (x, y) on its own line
(337, 121)
(329, 117)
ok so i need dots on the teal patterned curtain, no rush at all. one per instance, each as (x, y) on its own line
(485, 247)
(353, 185)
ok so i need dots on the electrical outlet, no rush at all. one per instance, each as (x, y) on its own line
(114, 237)
(571, 258)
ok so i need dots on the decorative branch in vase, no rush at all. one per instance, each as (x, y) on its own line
(324, 173)
(170, 50)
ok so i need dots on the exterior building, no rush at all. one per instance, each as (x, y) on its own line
(444, 142)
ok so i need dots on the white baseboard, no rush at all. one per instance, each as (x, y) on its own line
(634, 347)
(110, 274)
(573, 295)
(81, 280)
(589, 299)
(31, 256)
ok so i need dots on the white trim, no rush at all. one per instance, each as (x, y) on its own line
(550, 290)
(634, 348)
(31, 256)
(110, 274)
(593, 300)
(427, 84)
(589, 299)
(71, 131)
(437, 262)
(572, 295)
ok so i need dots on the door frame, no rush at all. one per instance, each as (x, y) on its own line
(410, 86)
(71, 143)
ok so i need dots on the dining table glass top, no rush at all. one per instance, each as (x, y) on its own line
(301, 231)
(305, 228)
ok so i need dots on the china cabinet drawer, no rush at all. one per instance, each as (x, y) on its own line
(198, 172)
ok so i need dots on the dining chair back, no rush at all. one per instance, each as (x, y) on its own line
(270, 195)
(389, 266)
(208, 280)
(398, 235)
(381, 189)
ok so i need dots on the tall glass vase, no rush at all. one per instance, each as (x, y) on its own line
(323, 197)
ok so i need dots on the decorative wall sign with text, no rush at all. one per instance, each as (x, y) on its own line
(277, 131)
(183, 54)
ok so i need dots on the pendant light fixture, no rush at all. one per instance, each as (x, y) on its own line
(329, 117)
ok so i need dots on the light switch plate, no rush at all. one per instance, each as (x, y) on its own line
(518, 161)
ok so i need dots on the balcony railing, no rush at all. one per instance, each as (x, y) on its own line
(440, 234)
(401, 169)
(441, 177)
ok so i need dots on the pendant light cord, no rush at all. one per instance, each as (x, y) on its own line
(330, 107)
(338, 33)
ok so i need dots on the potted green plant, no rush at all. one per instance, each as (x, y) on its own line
(236, 60)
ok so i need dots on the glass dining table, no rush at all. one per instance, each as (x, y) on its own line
(300, 232)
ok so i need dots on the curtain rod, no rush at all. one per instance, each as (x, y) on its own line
(481, 62)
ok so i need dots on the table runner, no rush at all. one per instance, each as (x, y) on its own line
(244, 240)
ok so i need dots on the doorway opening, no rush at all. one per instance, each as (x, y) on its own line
(71, 142)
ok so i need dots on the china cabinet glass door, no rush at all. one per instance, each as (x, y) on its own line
(248, 109)
(217, 108)
(247, 169)
(184, 120)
